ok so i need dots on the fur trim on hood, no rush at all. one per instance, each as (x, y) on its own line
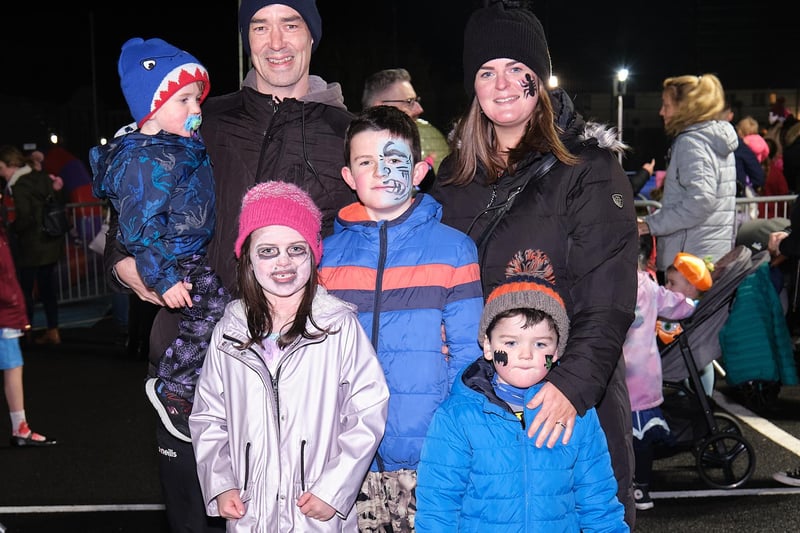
(606, 137)
(567, 118)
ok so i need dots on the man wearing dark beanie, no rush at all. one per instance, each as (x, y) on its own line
(528, 172)
(261, 132)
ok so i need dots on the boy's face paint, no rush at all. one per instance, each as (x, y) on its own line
(521, 354)
(381, 170)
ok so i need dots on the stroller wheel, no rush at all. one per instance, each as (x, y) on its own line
(725, 461)
(727, 424)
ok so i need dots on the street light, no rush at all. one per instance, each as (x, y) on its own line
(620, 84)
(553, 81)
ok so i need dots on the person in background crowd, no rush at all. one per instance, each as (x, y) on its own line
(528, 173)
(427, 279)
(640, 178)
(479, 471)
(791, 157)
(750, 176)
(13, 325)
(393, 87)
(698, 207)
(291, 402)
(300, 111)
(159, 181)
(643, 373)
(782, 244)
(747, 129)
(37, 253)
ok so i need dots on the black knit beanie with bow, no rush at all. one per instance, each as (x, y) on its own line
(504, 29)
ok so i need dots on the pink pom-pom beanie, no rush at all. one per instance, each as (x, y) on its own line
(277, 203)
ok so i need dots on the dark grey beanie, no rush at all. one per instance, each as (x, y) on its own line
(504, 29)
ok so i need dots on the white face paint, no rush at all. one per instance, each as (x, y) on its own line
(281, 260)
(381, 170)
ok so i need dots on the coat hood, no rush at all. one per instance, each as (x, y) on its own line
(319, 90)
(576, 129)
(719, 134)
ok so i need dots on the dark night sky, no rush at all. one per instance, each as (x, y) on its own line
(746, 44)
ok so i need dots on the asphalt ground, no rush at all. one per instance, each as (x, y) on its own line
(102, 476)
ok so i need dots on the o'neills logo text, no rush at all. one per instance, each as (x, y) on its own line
(169, 452)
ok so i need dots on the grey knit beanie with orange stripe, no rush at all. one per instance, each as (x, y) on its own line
(530, 284)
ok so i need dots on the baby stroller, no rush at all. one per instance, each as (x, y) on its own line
(724, 458)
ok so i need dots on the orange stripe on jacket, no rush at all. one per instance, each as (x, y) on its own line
(430, 275)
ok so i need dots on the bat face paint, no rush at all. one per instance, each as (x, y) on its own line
(528, 86)
(501, 357)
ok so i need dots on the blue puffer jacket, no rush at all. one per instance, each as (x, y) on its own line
(163, 189)
(416, 274)
(480, 472)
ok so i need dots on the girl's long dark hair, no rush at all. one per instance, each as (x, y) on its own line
(259, 311)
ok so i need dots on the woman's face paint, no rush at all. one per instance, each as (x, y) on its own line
(507, 92)
(528, 86)
(381, 170)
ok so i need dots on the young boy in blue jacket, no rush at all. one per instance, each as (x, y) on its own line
(479, 471)
(416, 284)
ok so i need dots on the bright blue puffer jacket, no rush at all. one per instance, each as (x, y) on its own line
(479, 471)
(408, 276)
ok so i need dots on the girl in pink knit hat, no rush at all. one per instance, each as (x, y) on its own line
(291, 397)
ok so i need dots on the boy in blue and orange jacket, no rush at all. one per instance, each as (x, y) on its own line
(416, 284)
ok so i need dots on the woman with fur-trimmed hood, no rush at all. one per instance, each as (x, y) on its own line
(523, 151)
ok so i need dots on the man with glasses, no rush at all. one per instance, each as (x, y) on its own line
(393, 87)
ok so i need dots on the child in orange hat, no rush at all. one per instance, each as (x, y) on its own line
(690, 276)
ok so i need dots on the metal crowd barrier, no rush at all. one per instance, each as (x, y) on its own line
(759, 207)
(81, 275)
(80, 272)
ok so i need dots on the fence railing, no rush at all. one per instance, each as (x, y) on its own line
(759, 207)
(80, 273)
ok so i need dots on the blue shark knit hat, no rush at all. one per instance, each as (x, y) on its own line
(151, 71)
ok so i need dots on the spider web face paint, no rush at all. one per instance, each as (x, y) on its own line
(529, 85)
(501, 357)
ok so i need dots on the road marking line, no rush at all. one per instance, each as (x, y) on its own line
(763, 426)
(79, 508)
(714, 493)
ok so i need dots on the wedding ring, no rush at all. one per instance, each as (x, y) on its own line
(562, 424)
